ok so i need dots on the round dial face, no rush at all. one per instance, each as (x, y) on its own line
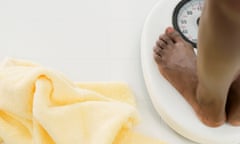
(186, 19)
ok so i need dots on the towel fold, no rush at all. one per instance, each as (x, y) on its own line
(41, 106)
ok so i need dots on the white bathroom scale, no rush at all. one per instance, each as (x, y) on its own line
(171, 106)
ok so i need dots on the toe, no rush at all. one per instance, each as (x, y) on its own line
(166, 39)
(173, 34)
(160, 43)
(158, 51)
(157, 58)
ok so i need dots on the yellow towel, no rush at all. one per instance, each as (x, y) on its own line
(40, 106)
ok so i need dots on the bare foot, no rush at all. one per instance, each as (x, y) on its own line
(177, 63)
(233, 103)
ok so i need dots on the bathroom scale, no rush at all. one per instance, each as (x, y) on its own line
(184, 16)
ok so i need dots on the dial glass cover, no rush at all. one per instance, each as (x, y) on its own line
(186, 19)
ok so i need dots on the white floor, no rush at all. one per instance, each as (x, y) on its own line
(87, 40)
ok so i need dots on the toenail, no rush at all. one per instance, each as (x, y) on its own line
(170, 30)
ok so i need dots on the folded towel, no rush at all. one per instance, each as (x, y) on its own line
(41, 106)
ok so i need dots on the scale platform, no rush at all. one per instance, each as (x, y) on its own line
(170, 105)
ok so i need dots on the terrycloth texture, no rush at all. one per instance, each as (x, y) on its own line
(40, 106)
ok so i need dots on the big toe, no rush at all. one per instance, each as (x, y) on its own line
(173, 34)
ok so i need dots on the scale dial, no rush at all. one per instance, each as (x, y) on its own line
(186, 17)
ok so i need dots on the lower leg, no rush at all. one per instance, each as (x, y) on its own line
(218, 54)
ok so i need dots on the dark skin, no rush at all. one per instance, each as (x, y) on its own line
(211, 78)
